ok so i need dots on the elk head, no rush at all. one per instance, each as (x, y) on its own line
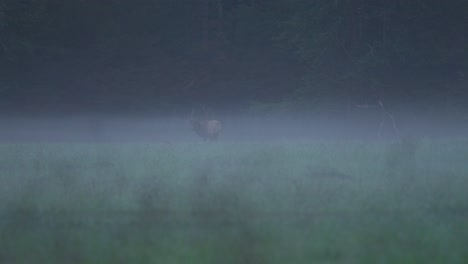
(207, 129)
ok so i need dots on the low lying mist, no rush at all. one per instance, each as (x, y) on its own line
(147, 128)
(316, 189)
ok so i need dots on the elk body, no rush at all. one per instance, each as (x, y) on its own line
(206, 129)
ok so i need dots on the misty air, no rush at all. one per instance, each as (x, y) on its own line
(233, 131)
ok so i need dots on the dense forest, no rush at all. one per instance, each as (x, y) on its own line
(244, 55)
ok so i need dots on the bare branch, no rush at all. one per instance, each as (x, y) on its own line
(386, 113)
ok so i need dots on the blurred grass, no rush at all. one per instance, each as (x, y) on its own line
(284, 202)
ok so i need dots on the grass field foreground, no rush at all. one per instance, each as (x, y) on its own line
(283, 202)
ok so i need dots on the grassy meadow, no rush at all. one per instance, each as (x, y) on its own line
(227, 202)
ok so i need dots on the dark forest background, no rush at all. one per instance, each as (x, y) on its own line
(243, 55)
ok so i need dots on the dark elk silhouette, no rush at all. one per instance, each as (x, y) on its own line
(207, 129)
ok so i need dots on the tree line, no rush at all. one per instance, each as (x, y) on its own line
(261, 55)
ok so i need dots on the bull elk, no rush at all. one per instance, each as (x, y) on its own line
(207, 129)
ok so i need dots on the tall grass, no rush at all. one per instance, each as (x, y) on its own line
(307, 202)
